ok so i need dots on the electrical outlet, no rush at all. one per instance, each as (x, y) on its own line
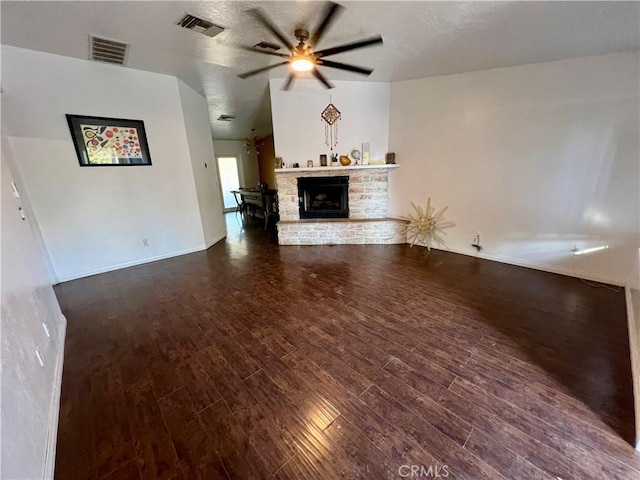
(39, 355)
(145, 242)
(476, 243)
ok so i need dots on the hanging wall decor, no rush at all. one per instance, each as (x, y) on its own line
(426, 225)
(104, 142)
(330, 116)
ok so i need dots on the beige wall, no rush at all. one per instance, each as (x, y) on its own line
(266, 161)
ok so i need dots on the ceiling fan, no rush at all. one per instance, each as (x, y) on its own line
(302, 57)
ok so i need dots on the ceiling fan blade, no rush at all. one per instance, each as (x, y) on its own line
(287, 85)
(266, 52)
(271, 27)
(322, 78)
(350, 46)
(258, 70)
(345, 66)
(331, 10)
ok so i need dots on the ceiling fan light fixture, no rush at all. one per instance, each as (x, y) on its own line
(302, 64)
(303, 58)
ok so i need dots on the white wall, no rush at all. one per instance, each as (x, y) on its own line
(203, 163)
(299, 133)
(93, 219)
(30, 392)
(539, 158)
(249, 174)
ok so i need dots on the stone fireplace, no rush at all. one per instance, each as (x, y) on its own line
(336, 205)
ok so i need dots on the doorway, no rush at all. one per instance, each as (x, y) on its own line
(229, 180)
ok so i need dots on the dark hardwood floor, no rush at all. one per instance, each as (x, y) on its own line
(253, 361)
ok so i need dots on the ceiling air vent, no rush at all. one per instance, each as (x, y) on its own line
(200, 25)
(226, 118)
(267, 46)
(105, 50)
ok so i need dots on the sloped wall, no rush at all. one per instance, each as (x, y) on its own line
(203, 163)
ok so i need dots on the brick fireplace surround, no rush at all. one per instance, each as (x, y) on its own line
(368, 202)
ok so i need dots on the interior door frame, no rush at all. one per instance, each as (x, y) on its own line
(240, 176)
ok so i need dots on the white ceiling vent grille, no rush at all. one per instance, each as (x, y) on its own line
(105, 50)
(200, 25)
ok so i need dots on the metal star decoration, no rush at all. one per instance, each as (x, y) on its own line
(426, 225)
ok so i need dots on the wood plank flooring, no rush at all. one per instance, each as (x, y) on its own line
(253, 361)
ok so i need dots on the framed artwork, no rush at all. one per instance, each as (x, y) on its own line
(102, 142)
(323, 160)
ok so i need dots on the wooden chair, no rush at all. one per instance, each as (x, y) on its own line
(243, 206)
(271, 215)
(240, 205)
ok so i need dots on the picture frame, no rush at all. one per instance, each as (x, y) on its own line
(109, 142)
(390, 158)
(323, 160)
(309, 163)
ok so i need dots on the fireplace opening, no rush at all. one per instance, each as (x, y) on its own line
(323, 197)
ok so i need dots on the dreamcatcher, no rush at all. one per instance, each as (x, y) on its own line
(330, 116)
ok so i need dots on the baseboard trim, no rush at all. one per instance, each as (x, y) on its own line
(569, 272)
(133, 263)
(52, 435)
(215, 240)
(634, 347)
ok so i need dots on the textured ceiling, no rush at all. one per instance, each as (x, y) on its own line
(421, 39)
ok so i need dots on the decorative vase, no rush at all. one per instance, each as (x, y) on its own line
(345, 160)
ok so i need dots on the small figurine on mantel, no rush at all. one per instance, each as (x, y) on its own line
(345, 161)
(355, 154)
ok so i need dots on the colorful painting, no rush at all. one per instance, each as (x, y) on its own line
(109, 141)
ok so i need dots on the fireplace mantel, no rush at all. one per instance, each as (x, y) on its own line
(331, 169)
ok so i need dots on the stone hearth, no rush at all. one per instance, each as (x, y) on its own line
(368, 203)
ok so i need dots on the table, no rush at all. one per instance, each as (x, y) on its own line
(266, 200)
